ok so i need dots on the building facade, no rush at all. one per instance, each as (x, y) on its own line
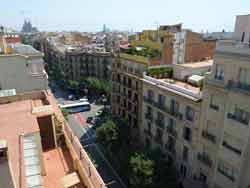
(242, 28)
(126, 96)
(171, 112)
(22, 67)
(38, 147)
(75, 64)
(226, 115)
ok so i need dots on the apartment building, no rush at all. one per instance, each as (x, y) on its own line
(242, 28)
(22, 67)
(38, 148)
(171, 116)
(225, 114)
(78, 62)
(186, 47)
(126, 97)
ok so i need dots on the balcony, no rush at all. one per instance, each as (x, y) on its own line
(172, 131)
(148, 100)
(230, 177)
(149, 116)
(238, 119)
(214, 107)
(159, 123)
(176, 114)
(238, 86)
(205, 159)
(161, 107)
(231, 148)
(148, 132)
(209, 136)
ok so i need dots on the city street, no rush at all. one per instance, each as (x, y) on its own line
(86, 135)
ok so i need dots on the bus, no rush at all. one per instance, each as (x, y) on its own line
(76, 107)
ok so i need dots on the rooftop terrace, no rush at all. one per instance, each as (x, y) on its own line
(38, 156)
(178, 87)
(136, 58)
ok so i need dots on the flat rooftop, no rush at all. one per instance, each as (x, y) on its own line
(16, 119)
(233, 47)
(178, 87)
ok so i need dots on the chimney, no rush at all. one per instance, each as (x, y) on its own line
(3, 151)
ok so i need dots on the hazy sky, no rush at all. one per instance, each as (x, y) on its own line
(90, 15)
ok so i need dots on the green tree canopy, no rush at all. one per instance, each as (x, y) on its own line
(142, 171)
(107, 135)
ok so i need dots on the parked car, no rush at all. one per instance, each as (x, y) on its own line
(89, 119)
(98, 113)
(83, 100)
(71, 97)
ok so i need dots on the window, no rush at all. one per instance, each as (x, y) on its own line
(227, 170)
(241, 115)
(149, 110)
(129, 82)
(214, 101)
(185, 153)
(150, 94)
(244, 77)
(219, 72)
(243, 37)
(172, 123)
(161, 100)
(190, 113)
(183, 170)
(203, 178)
(136, 84)
(174, 106)
(187, 134)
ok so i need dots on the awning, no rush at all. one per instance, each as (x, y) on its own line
(195, 79)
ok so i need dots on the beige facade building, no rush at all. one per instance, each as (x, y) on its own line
(126, 96)
(207, 134)
(75, 62)
(225, 117)
(171, 111)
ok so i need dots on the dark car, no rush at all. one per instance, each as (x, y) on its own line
(89, 119)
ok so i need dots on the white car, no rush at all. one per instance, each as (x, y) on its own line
(98, 113)
(84, 100)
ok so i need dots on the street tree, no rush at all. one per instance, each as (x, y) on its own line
(108, 135)
(142, 170)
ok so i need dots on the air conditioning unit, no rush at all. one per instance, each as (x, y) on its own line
(3, 151)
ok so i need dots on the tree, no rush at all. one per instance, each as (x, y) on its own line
(165, 173)
(73, 84)
(142, 171)
(99, 86)
(107, 135)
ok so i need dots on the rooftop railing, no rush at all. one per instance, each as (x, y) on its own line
(188, 92)
(85, 163)
(233, 46)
